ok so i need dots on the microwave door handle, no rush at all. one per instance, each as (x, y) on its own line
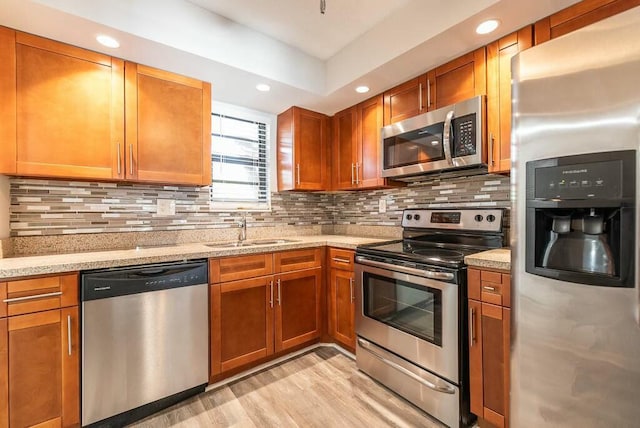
(446, 138)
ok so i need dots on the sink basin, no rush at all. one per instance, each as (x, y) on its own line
(253, 243)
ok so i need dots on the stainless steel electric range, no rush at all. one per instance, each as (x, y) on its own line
(411, 316)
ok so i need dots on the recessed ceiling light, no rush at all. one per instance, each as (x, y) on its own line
(107, 41)
(487, 26)
(263, 87)
(362, 89)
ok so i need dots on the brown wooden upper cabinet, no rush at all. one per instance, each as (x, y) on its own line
(168, 127)
(63, 110)
(462, 78)
(407, 100)
(499, 54)
(302, 150)
(577, 16)
(356, 147)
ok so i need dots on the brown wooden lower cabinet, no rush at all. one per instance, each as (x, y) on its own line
(341, 297)
(254, 318)
(489, 353)
(40, 369)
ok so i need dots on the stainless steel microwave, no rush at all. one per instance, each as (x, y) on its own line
(442, 139)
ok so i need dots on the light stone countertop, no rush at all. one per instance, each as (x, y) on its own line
(59, 263)
(492, 259)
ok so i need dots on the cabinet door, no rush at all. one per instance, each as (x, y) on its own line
(7, 103)
(310, 145)
(491, 370)
(499, 54)
(42, 359)
(370, 122)
(345, 149)
(464, 77)
(342, 307)
(4, 374)
(298, 308)
(241, 322)
(405, 100)
(69, 111)
(577, 16)
(168, 120)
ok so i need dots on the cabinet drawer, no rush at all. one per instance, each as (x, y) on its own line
(240, 267)
(38, 294)
(341, 259)
(489, 286)
(288, 261)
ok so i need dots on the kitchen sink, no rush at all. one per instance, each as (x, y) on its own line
(239, 244)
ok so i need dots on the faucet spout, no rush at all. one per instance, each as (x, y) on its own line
(242, 224)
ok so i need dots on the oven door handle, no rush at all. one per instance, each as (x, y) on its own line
(445, 276)
(438, 388)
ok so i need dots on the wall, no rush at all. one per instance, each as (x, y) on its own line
(48, 207)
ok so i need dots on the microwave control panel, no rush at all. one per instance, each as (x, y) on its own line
(464, 135)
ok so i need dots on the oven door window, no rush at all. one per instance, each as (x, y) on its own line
(414, 309)
(414, 147)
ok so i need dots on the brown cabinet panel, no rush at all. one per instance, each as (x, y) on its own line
(69, 110)
(302, 150)
(489, 286)
(499, 54)
(342, 307)
(464, 77)
(240, 267)
(298, 308)
(4, 373)
(405, 100)
(341, 259)
(475, 358)
(577, 16)
(168, 122)
(242, 323)
(42, 359)
(287, 261)
(39, 294)
(345, 149)
(7, 101)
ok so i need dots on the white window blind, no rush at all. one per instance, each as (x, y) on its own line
(240, 163)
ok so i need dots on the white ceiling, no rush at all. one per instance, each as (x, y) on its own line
(310, 60)
(299, 23)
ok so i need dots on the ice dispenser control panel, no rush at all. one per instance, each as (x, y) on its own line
(600, 180)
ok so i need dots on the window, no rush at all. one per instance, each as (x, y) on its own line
(240, 159)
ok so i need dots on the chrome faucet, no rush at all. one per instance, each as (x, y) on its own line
(242, 224)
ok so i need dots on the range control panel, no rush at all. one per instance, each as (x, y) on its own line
(473, 219)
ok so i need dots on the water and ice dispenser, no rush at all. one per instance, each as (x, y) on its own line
(581, 218)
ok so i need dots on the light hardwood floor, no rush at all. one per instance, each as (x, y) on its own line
(322, 388)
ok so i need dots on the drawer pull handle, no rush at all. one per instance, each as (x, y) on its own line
(339, 260)
(35, 296)
(486, 287)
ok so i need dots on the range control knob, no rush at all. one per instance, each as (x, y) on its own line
(479, 217)
(491, 218)
(409, 216)
(417, 217)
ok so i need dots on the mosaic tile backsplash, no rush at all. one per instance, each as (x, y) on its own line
(51, 207)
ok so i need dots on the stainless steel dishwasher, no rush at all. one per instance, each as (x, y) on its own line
(145, 341)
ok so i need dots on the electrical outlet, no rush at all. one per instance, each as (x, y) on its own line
(166, 207)
(382, 205)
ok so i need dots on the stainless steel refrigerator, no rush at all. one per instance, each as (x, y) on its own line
(575, 358)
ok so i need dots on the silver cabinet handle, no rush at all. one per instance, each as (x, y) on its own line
(447, 276)
(35, 296)
(446, 138)
(438, 388)
(119, 161)
(131, 158)
(357, 173)
(351, 290)
(486, 287)
(420, 97)
(298, 174)
(69, 333)
(472, 326)
(279, 296)
(339, 260)
(271, 293)
(353, 181)
(428, 93)
(491, 162)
